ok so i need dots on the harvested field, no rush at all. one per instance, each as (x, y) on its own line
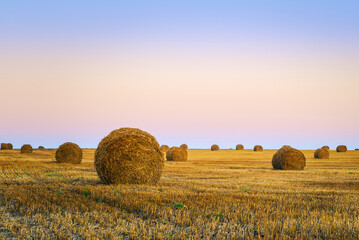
(227, 194)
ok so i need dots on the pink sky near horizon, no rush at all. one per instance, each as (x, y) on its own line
(198, 95)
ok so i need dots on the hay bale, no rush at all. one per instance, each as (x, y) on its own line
(321, 153)
(239, 147)
(26, 148)
(326, 147)
(3, 146)
(342, 148)
(214, 147)
(184, 146)
(41, 148)
(288, 158)
(9, 146)
(177, 154)
(164, 148)
(357, 149)
(129, 156)
(258, 148)
(69, 153)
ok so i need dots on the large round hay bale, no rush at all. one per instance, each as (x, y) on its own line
(239, 147)
(288, 158)
(9, 146)
(4, 146)
(184, 146)
(26, 148)
(129, 156)
(342, 148)
(214, 147)
(258, 148)
(321, 153)
(41, 148)
(177, 154)
(164, 148)
(326, 147)
(69, 153)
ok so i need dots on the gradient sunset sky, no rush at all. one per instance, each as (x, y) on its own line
(195, 72)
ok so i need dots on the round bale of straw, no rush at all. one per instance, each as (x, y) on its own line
(9, 146)
(177, 154)
(321, 153)
(3, 146)
(288, 158)
(258, 148)
(214, 147)
(342, 148)
(164, 148)
(69, 153)
(239, 147)
(184, 146)
(357, 149)
(326, 147)
(41, 148)
(129, 156)
(26, 148)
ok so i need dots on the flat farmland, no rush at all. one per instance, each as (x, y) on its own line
(226, 194)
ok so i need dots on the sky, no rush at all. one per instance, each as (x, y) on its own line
(197, 72)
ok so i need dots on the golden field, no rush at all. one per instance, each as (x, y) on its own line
(226, 194)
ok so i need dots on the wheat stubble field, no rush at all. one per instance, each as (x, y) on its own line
(226, 194)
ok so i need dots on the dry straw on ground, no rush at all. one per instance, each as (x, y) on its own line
(258, 148)
(177, 154)
(69, 153)
(26, 148)
(129, 156)
(326, 147)
(214, 147)
(184, 146)
(239, 147)
(321, 153)
(164, 148)
(41, 148)
(288, 158)
(342, 148)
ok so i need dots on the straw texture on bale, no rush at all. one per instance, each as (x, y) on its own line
(342, 148)
(5, 146)
(258, 148)
(326, 147)
(214, 147)
(184, 146)
(177, 154)
(288, 158)
(239, 147)
(41, 148)
(26, 148)
(69, 153)
(129, 156)
(321, 153)
(164, 148)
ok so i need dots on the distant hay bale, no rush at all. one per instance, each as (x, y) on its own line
(41, 148)
(164, 148)
(9, 146)
(288, 158)
(69, 153)
(214, 147)
(258, 148)
(342, 148)
(4, 146)
(357, 149)
(129, 156)
(326, 147)
(26, 148)
(177, 154)
(321, 153)
(239, 147)
(184, 146)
